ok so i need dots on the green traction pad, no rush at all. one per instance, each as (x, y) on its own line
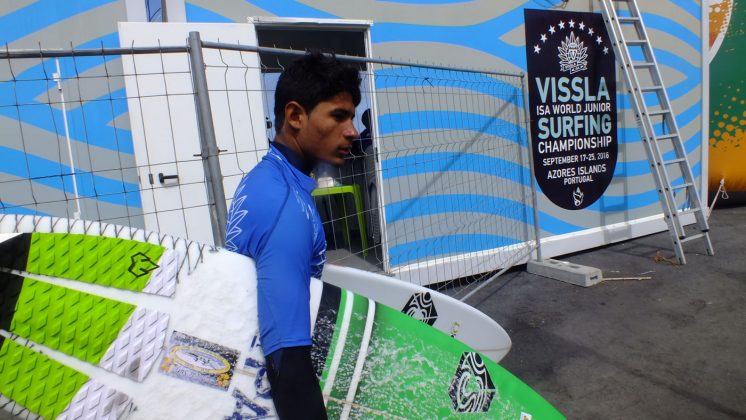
(114, 262)
(75, 323)
(36, 382)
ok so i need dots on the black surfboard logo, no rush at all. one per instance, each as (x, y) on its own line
(472, 389)
(420, 306)
(141, 265)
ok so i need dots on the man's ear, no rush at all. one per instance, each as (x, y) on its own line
(295, 115)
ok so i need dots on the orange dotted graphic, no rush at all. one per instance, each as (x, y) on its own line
(719, 18)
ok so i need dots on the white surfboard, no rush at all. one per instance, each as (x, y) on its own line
(443, 312)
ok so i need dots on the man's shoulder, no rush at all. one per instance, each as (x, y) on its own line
(263, 187)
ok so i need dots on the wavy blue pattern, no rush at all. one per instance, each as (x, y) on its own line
(41, 14)
(556, 226)
(691, 80)
(628, 135)
(692, 73)
(451, 120)
(37, 79)
(291, 8)
(691, 7)
(10, 208)
(473, 36)
(451, 161)
(56, 175)
(664, 24)
(670, 26)
(428, 2)
(456, 203)
(446, 245)
(690, 114)
(468, 203)
(642, 167)
(88, 123)
(198, 14)
(391, 78)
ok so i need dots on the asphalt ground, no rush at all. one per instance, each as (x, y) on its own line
(669, 347)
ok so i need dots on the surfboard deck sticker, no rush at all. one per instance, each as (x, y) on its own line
(74, 344)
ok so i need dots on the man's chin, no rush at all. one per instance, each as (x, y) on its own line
(336, 161)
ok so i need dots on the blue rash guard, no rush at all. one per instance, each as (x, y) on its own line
(273, 219)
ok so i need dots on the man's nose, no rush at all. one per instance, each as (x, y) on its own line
(350, 132)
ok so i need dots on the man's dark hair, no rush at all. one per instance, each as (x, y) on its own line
(313, 78)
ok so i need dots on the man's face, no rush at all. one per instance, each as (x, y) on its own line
(327, 133)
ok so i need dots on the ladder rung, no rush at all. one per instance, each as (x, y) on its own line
(666, 136)
(641, 64)
(692, 237)
(681, 186)
(673, 161)
(657, 113)
(651, 88)
(688, 211)
(636, 42)
(628, 19)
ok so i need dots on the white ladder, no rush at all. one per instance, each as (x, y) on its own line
(628, 35)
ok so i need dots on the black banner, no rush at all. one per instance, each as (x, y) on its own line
(572, 101)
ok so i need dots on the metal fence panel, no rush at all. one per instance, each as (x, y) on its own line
(446, 182)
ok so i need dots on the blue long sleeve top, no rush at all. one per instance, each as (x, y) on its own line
(273, 219)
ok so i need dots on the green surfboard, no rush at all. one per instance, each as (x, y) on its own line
(381, 363)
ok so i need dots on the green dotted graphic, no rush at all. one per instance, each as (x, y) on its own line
(40, 384)
(75, 323)
(114, 262)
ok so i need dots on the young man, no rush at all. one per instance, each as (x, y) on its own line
(273, 219)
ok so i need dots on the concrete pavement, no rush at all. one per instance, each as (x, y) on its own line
(672, 347)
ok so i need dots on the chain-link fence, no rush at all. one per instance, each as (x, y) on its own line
(438, 190)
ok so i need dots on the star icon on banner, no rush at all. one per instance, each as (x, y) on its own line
(570, 25)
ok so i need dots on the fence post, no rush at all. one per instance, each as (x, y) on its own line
(208, 144)
(534, 199)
